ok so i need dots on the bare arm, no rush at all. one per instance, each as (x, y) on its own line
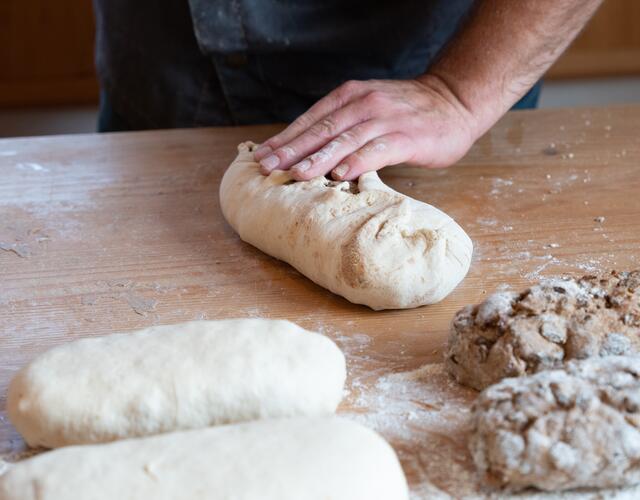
(505, 48)
(432, 121)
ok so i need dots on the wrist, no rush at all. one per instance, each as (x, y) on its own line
(473, 117)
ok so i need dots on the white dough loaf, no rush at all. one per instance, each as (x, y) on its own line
(280, 459)
(175, 377)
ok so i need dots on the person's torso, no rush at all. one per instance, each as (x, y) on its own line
(259, 60)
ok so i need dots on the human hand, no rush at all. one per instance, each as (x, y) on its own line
(367, 125)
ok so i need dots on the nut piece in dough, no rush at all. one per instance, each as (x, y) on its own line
(511, 334)
(361, 240)
(578, 427)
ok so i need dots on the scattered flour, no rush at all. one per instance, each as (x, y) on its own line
(141, 305)
(536, 274)
(20, 249)
(127, 291)
(426, 417)
(36, 167)
(486, 221)
(497, 184)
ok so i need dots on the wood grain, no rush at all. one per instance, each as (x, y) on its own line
(109, 233)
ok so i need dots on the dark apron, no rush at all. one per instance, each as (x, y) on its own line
(180, 63)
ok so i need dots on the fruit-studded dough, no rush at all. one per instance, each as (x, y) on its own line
(577, 427)
(512, 334)
(361, 240)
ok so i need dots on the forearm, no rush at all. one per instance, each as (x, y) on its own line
(504, 48)
(432, 121)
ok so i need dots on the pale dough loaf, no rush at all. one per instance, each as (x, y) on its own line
(174, 377)
(279, 459)
(561, 429)
(363, 240)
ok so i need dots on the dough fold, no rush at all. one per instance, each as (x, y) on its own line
(364, 241)
(280, 459)
(175, 377)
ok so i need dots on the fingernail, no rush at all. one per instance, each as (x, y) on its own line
(340, 171)
(262, 151)
(303, 166)
(270, 162)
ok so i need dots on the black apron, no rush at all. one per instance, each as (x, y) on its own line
(185, 63)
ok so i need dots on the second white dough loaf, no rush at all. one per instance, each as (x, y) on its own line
(175, 377)
(280, 459)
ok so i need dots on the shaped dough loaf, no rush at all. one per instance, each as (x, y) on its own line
(280, 459)
(364, 241)
(168, 378)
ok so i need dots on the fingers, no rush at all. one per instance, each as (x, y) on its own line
(389, 149)
(331, 102)
(329, 156)
(318, 135)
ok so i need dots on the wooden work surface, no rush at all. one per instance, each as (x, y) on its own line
(109, 233)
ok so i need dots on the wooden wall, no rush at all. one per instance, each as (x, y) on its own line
(46, 50)
(609, 46)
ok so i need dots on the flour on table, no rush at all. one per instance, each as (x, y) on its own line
(426, 416)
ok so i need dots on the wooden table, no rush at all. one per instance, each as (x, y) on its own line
(108, 233)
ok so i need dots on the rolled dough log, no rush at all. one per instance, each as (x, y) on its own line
(279, 459)
(561, 429)
(512, 334)
(361, 240)
(174, 377)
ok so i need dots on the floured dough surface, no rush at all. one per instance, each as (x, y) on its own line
(363, 240)
(281, 459)
(561, 429)
(512, 334)
(168, 378)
